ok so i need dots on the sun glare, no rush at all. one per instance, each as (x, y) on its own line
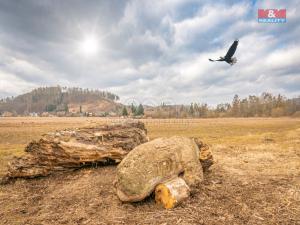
(89, 46)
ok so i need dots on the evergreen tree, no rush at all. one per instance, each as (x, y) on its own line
(124, 112)
(191, 111)
(66, 108)
(133, 109)
(140, 110)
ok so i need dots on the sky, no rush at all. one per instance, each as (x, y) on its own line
(149, 51)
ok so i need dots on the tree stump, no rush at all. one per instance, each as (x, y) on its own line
(170, 193)
(155, 162)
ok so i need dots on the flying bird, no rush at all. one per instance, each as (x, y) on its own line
(228, 57)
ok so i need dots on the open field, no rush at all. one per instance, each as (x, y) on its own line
(255, 179)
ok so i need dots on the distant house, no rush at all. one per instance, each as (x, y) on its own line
(89, 114)
(33, 114)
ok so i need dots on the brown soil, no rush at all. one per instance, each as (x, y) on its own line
(244, 186)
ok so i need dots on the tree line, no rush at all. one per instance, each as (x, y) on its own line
(56, 99)
(133, 110)
(265, 105)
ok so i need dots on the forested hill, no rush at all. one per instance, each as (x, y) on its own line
(54, 99)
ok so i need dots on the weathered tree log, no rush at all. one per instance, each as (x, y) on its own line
(71, 149)
(205, 154)
(170, 193)
(155, 162)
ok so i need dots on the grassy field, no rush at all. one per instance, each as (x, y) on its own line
(15, 133)
(255, 179)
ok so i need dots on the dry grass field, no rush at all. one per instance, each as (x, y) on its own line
(255, 178)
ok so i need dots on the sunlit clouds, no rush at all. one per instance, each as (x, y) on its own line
(89, 46)
(150, 51)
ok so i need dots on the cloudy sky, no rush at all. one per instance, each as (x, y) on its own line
(149, 51)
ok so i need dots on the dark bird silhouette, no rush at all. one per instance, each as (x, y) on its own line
(228, 57)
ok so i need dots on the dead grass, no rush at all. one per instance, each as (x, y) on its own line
(255, 180)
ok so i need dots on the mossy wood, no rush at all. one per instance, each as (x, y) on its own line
(155, 162)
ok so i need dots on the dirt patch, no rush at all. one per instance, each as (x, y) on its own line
(87, 197)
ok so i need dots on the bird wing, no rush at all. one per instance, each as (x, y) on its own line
(214, 60)
(232, 49)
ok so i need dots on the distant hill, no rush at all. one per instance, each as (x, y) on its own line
(61, 99)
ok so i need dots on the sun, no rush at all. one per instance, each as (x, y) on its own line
(89, 46)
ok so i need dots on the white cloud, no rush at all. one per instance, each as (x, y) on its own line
(11, 85)
(206, 20)
(152, 53)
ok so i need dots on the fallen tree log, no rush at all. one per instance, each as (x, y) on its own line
(205, 154)
(155, 162)
(172, 192)
(71, 149)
